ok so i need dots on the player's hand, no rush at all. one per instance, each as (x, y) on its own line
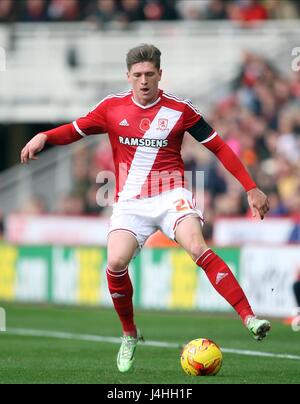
(258, 203)
(33, 147)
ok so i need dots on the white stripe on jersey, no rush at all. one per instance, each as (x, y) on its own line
(145, 157)
(146, 106)
(210, 138)
(119, 95)
(78, 129)
(183, 101)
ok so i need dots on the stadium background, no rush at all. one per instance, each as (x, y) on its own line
(236, 60)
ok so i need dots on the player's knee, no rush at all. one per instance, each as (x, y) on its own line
(197, 248)
(117, 264)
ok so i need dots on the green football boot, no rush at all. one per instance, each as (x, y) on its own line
(258, 328)
(126, 353)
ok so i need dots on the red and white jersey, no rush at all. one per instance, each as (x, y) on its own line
(146, 141)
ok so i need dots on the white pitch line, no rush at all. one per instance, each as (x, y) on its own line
(114, 340)
(83, 337)
(258, 353)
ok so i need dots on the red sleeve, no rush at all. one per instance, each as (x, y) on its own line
(93, 123)
(191, 116)
(62, 135)
(230, 161)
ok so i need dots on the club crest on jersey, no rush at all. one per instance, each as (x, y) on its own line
(145, 124)
(163, 124)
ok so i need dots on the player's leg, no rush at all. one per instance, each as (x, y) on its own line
(189, 236)
(121, 248)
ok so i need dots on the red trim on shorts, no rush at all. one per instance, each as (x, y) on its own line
(129, 231)
(188, 214)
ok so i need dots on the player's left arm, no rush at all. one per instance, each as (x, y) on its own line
(205, 134)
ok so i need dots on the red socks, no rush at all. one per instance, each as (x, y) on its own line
(120, 287)
(225, 283)
(217, 271)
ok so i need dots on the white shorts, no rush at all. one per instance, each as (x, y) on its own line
(143, 217)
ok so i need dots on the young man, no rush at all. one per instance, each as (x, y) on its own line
(146, 127)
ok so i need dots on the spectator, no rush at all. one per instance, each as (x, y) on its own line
(7, 11)
(170, 10)
(33, 11)
(228, 204)
(131, 10)
(191, 9)
(247, 12)
(71, 205)
(92, 206)
(287, 180)
(102, 158)
(80, 170)
(277, 208)
(282, 9)
(80, 177)
(252, 10)
(295, 85)
(295, 234)
(216, 182)
(103, 12)
(35, 206)
(64, 10)
(155, 10)
(216, 10)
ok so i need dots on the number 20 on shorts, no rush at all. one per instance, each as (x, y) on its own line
(183, 205)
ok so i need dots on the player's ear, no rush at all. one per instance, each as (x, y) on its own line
(160, 74)
(128, 76)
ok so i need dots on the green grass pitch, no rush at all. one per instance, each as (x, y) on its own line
(59, 359)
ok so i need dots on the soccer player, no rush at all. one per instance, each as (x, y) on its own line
(146, 126)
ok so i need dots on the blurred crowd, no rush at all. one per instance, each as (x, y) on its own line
(260, 120)
(123, 12)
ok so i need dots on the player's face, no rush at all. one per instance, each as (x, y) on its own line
(144, 78)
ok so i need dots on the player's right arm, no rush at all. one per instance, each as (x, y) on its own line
(33, 147)
(92, 124)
